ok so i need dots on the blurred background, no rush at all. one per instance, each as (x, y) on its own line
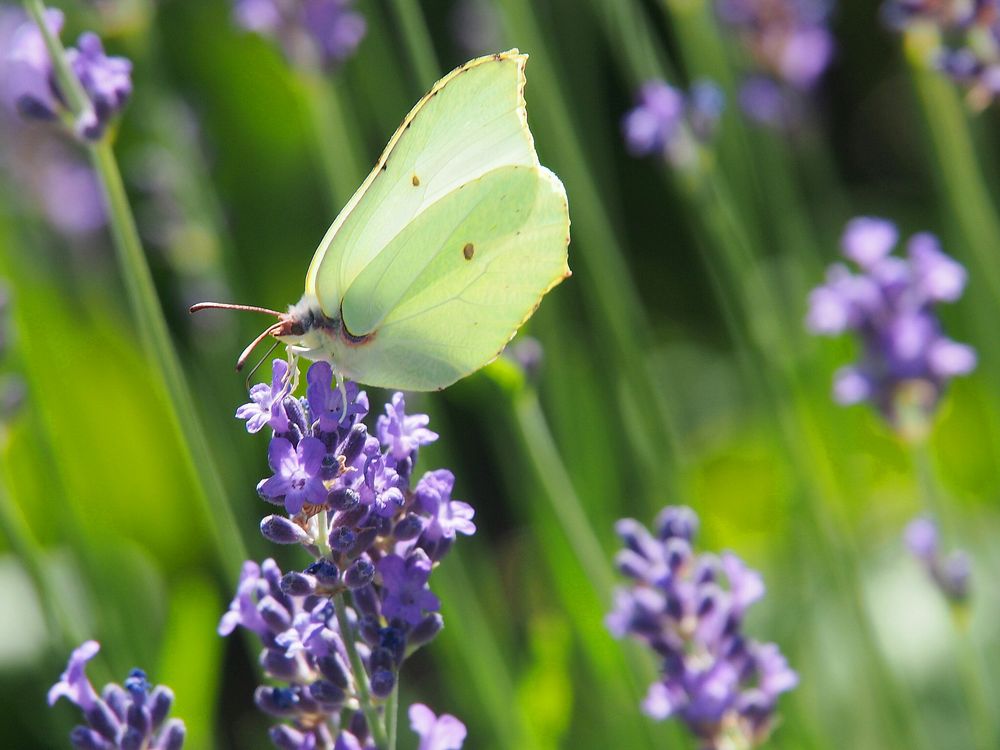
(675, 367)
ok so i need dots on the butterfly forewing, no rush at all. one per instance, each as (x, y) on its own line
(472, 122)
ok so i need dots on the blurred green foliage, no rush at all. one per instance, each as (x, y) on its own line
(647, 395)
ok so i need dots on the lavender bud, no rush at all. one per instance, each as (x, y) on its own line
(382, 683)
(139, 720)
(342, 538)
(172, 737)
(409, 527)
(296, 414)
(327, 694)
(281, 702)
(342, 498)
(358, 726)
(333, 669)
(274, 614)
(278, 665)
(354, 443)
(676, 521)
(116, 698)
(330, 468)
(352, 517)
(137, 686)
(393, 640)
(366, 599)
(425, 631)
(102, 720)
(286, 738)
(364, 540)
(280, 530)
(160, 701)
(132, 739)
(361, 573)
(326, 574)
(369, 628)
(84, 738)
(298, 584)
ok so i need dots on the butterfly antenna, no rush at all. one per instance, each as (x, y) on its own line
(273, 328)
(260, 362)
(230, 306)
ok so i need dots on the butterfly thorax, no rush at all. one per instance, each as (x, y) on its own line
(313, 334)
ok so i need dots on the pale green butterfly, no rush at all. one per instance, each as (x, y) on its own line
(445, 250)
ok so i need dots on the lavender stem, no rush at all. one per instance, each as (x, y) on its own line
(375, 724)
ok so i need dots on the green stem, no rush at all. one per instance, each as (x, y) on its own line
(392, 715)
(970, 662)
(69, 84)
(419, 46)
(962, 186)
(375, 725)
(335, 139)
(152, 326)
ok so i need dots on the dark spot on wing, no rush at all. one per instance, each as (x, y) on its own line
(468, 251)
(415, 181)
(385, 164)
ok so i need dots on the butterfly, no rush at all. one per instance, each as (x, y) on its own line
(445, 250)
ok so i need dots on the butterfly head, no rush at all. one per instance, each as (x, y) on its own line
(305, 328)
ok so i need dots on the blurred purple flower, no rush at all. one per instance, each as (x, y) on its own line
(790, 47)
(106, 81)
(950, 573)
(311, 32)
(957, 38)
(121, 717)
(907, 360)
(443, 732)
(667, 122)
(714, 679)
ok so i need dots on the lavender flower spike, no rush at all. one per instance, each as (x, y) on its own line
(106, 81)
(720, 683)
(364, 601)
(443, 732)
(121, 717)
(668, 122)
(311, 32)
(889, 305)
(951, 573)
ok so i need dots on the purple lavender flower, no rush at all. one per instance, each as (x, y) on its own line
(405, 580)
(668, 122)
(265, 407)
(296, 479)
(951, 573)
(713, 678)
(790, 47)
(374, 540)
(956, 38)
(120, 718)
(443, 732)
(907, 360)
(311, 32)
(106, 81)
(401, 433)
(327, 404)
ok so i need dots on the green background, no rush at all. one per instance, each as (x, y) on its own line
(676, 370)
